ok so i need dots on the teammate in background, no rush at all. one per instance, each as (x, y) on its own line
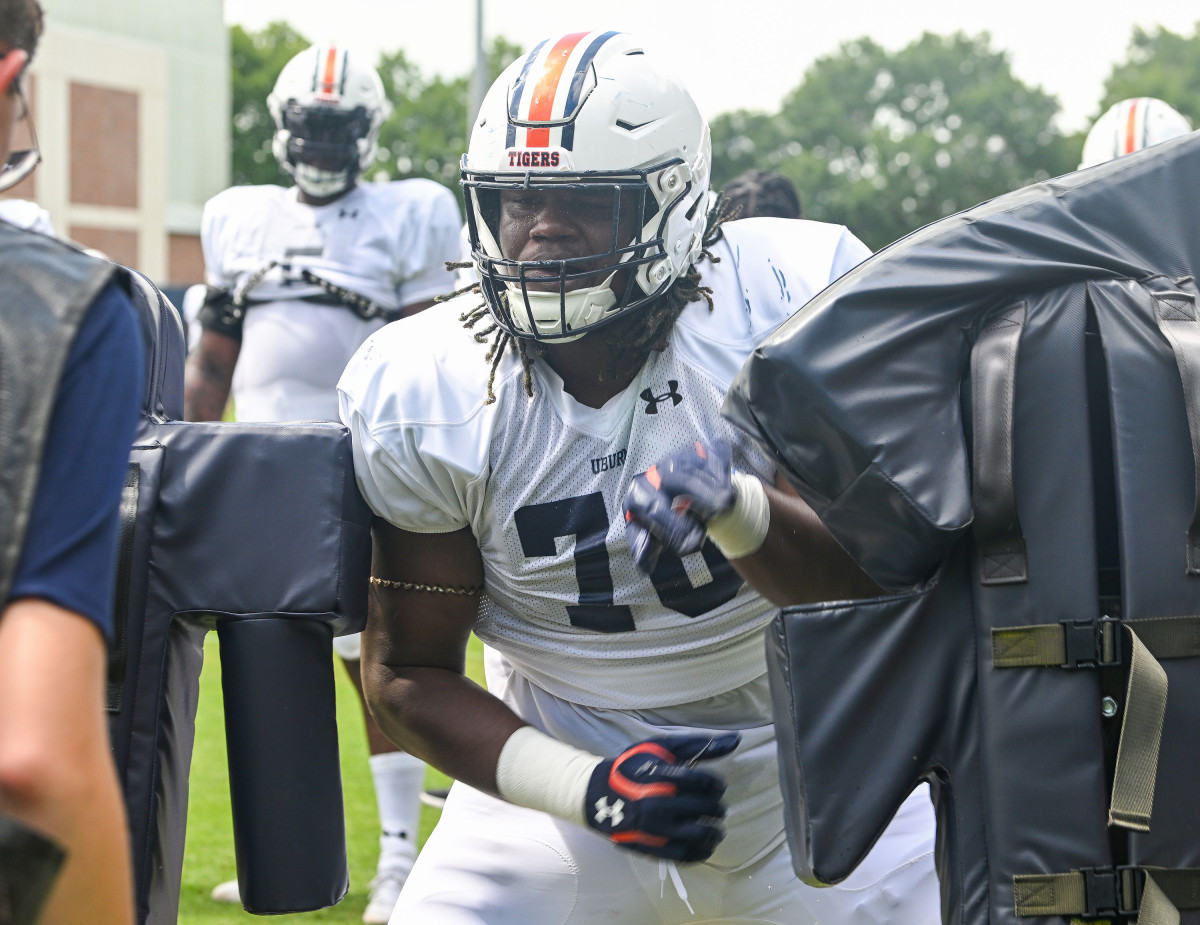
(1129, 126)
(762, 193)
(62, 479)
(299, 277)
(621, 765)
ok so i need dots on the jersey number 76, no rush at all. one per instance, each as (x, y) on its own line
(586, 518)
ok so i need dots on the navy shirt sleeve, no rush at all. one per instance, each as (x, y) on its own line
(69, 556)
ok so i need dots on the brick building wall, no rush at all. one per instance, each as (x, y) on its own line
(131, 108)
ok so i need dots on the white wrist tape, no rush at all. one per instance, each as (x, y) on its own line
(741, 530)
(542, 773)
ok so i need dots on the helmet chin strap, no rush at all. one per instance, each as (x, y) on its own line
(583, 308)
(321, 183)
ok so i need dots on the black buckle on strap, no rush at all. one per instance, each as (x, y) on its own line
(1093, 643)
(1112, 892)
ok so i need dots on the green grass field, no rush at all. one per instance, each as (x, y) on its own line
(209, 859)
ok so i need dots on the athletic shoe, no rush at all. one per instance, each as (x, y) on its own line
(382, 896)
(227, 892)
(435, 797)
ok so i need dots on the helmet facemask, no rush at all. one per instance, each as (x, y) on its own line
(324, 146)
(561, 299)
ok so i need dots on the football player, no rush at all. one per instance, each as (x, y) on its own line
(1129, 126)
(621, 765)
(298, 277)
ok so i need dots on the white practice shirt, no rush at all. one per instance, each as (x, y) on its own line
(540, 480)
(387, 241)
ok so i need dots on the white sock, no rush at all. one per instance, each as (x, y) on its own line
(399, 779)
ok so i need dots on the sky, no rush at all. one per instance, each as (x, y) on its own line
(747, 54)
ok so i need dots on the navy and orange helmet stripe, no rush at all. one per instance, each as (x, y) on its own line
(549, 89)
(1137, 126)
(329, 77)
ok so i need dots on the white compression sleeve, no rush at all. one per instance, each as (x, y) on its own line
(542, 773)
(741, 530)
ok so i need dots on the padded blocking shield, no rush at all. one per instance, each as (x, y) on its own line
(891, 404)
(258, 531)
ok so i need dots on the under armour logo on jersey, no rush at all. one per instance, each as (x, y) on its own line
(347, 213)
(653, 401)
(613, 814)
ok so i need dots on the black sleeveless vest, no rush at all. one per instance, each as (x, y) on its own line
(46, 288)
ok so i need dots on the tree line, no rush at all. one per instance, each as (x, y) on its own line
(881, 141)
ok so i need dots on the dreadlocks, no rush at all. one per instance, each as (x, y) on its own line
(657, 319)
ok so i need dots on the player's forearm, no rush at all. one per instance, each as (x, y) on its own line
(96, 875)
(208, 377)
(443, 717)
(56, 769)
(204, 400)
(800, 562)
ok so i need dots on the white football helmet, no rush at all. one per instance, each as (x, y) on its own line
(1129, 126)
(328, 108)
(587, 111)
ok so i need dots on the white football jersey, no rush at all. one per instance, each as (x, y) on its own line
(387, 241)
(540, 480)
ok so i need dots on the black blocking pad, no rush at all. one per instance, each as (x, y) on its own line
(998, 416)
(257, 530)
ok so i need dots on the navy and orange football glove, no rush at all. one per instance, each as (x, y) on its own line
(651, 798)
(670, 504)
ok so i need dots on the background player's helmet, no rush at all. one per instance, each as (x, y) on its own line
(1129, 126)
(587, 110)
(328, 107)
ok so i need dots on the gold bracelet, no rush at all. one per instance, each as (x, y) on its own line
(414, 586)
